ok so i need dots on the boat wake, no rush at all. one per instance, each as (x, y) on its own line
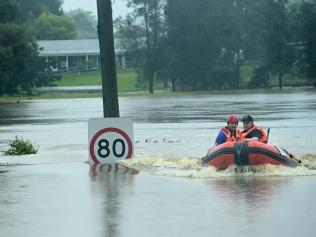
(188, 167)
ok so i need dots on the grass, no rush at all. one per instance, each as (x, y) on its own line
(127, 80)
(246, 72)
(80, 79)
(127, 86)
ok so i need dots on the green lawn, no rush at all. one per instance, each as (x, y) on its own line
(127, 82)
(127, 79)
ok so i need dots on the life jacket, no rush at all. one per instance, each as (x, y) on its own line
(263, 139)
(229, 135)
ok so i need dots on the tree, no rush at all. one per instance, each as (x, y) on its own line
(19, 64)
(8, 11)
(53, 27)
(279, 54)
(238, 38)
(271, 51)
(130, 37)
(31, 9)
(85, 22)
(129, 34)
(306, 18)
(197, 35)
(202, 44)
(148, 15)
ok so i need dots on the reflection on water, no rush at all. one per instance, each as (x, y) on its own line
(262, 204)
(108, 182)
(192, 122)
(60, 199)
(100, 170)
(169, 109)
(113, 202)
(255, 192)
(247, 198)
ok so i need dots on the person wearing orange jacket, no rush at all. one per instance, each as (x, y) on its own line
(230, 133)
(251, 132)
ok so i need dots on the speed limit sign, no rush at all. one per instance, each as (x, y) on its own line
(110, 139)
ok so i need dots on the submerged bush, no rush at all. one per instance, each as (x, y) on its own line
(20, 146)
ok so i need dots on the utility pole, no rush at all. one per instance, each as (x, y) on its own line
(107, 56)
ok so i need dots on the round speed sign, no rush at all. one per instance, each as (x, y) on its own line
(110, 144)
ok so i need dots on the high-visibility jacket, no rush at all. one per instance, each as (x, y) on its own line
(263, 138)
(231, 137)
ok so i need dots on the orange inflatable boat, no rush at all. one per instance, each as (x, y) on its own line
(248, 153)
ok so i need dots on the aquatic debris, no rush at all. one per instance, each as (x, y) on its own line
(20, 146)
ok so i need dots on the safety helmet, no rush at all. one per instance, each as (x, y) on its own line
(232, 118)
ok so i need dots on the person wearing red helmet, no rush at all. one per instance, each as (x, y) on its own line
(230, 133)
(251, 132)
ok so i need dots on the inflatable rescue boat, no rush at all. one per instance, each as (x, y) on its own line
(248, 153)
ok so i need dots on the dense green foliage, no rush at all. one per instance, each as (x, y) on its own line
(204, 44)
(20, 67)
(53, 27)
(306, 34)
(8, 11)
(31, 9)
(142, 32)
(85, 22)
(20, 146)
(22, 23)
(19, 64)
(185, 44)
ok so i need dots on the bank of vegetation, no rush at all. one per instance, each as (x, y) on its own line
(223, 44)
(22, 23)
(184, 45)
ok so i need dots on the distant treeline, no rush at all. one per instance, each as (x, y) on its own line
(188, 45)
(222, 44)
(22, 23)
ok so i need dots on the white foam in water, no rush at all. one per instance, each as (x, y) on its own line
(185, 167)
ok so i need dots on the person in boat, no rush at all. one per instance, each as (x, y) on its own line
(251, 132)
(230, 133)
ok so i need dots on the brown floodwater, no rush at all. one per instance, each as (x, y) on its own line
(166, 191)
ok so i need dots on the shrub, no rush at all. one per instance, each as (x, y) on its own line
(20, 146)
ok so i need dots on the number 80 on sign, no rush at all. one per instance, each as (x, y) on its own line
(110, 144)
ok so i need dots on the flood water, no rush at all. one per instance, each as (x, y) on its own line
(166, 192)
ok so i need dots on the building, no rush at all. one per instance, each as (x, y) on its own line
(80, 55)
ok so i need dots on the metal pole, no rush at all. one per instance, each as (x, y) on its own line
(107, 56)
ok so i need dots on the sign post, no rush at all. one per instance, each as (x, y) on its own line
(110, 140)
(107, 56)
